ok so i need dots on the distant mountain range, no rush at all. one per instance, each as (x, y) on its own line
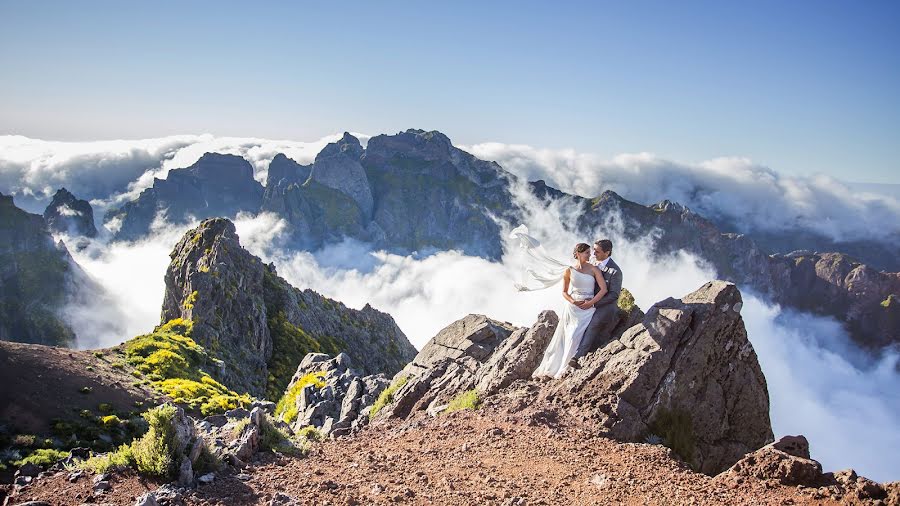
(415, 191)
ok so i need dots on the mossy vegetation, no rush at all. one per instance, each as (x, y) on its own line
(174, 364)
(310, 433)
(387, 395)
(675, 429)
(42, 457)
(465, 400)
(626, 301)
(891, 299)
(286, 409)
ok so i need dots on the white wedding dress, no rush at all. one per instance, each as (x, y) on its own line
(572, 323)
(546, 272)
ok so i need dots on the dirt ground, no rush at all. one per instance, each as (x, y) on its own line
(483, 457)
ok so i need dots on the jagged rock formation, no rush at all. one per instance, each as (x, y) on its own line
(216, 185)
(35, 278)
(337, 167)
(687, 371)
(258, 324)
(70, 215)
(415, 191)
(340, 399)
(685, 374)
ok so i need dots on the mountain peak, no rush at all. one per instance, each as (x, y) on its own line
(347, 145)
(68, 214)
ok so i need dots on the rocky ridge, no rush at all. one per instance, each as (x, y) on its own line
(260, 326)
(415, 191)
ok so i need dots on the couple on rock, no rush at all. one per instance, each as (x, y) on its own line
(591, 290)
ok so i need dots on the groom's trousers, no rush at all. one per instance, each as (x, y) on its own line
(599, 330)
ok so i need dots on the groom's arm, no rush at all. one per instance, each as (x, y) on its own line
(614, 287)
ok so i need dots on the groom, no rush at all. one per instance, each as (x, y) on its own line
(607, 309)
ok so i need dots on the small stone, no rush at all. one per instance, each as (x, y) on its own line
(242, 476)
(102, 486)
(148, 499)
(207, 478)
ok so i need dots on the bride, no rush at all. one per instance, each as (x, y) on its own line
(578, 291)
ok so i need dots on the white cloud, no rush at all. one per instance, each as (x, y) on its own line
(751, 196)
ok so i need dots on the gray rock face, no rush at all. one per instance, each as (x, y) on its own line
(283, 172)
(335, 408)
(67, 214)
(337, 166)
(36, 277)
(260, 326)
(429, 193)
(216, 185)
(686, 371)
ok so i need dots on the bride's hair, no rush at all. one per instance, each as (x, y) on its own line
(580, 248)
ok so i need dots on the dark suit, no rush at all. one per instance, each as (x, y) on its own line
(606, 310)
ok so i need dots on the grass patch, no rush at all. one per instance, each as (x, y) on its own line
(466, 400)
(43, 457)
(674, 427)
(173, 363)
(272, 438)
(286, 409)
(387, 396)
(118, 460)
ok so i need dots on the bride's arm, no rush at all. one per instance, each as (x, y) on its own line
(566, 287)
(601, 292)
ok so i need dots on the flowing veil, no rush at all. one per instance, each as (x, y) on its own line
(547, 270)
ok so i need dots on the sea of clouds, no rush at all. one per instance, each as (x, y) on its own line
(846, 403)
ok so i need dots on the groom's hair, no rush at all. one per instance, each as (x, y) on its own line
(605, 245)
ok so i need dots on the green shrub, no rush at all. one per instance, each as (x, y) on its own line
(675, 429)
(105, 407)
(89, 368)
(387, 396)
(286, 409)
(626, 301)
(85, 390)
(98, 354)
(310, 433)
(42, 457)
(290, 343)
(239, 427)
(466, 400)
(110, 421)
(154, 452)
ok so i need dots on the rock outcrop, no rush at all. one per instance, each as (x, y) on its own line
(786, 461)
(216, 185)
(337, 167)
(260, 326)
(687, 374)
(336, 401)
(70, 215)
(36, 277)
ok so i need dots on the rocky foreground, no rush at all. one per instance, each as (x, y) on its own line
(673, 410)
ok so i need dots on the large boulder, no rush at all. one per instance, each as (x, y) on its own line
(785, 461)
(686, 375)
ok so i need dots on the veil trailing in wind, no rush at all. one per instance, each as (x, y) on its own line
(547, 270)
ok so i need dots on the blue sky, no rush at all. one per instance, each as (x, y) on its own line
(803, 87)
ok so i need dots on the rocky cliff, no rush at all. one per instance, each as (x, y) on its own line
(35, 279)
(260, 326)
(70, 215)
